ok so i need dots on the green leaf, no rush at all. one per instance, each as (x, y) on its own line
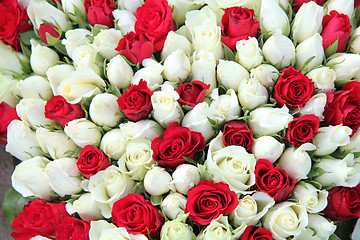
(229, 54)
(111, 88)
(334, 237)
(307, 62)
(189, 160)
(97, 28)
(212, 122)
(316, 172)
(341, 83)
(331, 49)
(156, 200)
(13, 204)
(25, 37)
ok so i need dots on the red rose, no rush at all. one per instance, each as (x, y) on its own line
(293, 89)
(73, 228)
(192, 93)
(7, 114)
(59, 110)
(237, 133)
(273, 180)
(207, 200)
(253, 233)
(297, 3)
(336, 27)
(38, 218)
(91, 161)
(50, 29)
(14, 20)
(176, 143)
(356, 3)
(301, 130)
(100, 12)
(137, 215)
(238, 23)
(154, 20)
(135, 103)
(135, 47)
(343, 203)
(343, 106)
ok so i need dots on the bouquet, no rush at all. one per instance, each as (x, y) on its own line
(181, 119)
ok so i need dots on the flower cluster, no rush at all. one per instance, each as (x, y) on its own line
(181, 119)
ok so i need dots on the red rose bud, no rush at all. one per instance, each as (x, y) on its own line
(137, 215)
(302, 130)
(49, 33)
(192, 93)
(176, 143)
(154, 20)
(293, 89)
(7, 114)
(298, 3)
(238, 23)
(273, 180)
(91, 161)
(207, 200)
(59, 110)
(255, 233)
(237, 133)
(100, 12)
(73, 228)
(336, 27)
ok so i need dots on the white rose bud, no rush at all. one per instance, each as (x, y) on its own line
(86, 207)
(186, 176)
(177, 67)
(12, 63)
(75, 38)
(323, 78)
(230, 74)
(230, 3)
(328, 139)
(268, 120)
(324, 228)
(355, 41)
(104, 110)
(227, 104)
(157, 181)
(297, 162)
(9, 90)
(130, 5)
(346, 66)
(311, 48)
(203, 68)
(56, 143)
(174, 42)
(83, 132)
(146, 128)
(113, 143)
(313, 199)
(315, 105)
(85, 56)
(173, 205)
(279, 50)
(102, 230)
(267, 147)
(248, 53)
(252, 94)
(176, 229)
(354, 144)
(69, 7)
(341, 6)
(151, 73)
(56, 74)
(30, 179)
(63, 176)
(266, 74)
(181, 7)
(273, 19)
(124, 20)
(307, 21)
(35, 87)
(42, 58)
(119, 72)
(106, 41)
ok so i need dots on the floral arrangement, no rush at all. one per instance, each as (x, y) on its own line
(181, 119)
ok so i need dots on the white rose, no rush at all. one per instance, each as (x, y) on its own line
(341, 6)
(266, 74)
(267, 147)
(251, 209)
(146, 128)
(286, 219)
(311, 48)
(102, 230)
(151, 73)
(85, 56)
(323, 78)
(56, 143)
(9, 92)
(69, 7)
(12, 63)
(230, 3)
(197, 120)
(137, 159)
(232, 165)
(186, 176)
(230, 74)
(338, 172)
(157, 181)
(313, 199)
(297, 162)
(252, 94)
(176, 229)
(86, 207)
(119, 72)
(181, 7)
(173, 205)
(113, 144)
(106, 41)
(328, 139)
(56, 74)
(175, 42)
(63, 176)
(227, 104)
(130, 5)
(268, 120)
(124, 20)
(273, 19)
(35, 87)
(354, 144)
(321, 225)
(30, 179)
(75, 38)
(203, 68)
(248, 53)
(104, 110)
(39, 238)
(42, 58)
(80, 84)
(315, 105)
(307, 21)
(355, 41)
(32, 111)
(177, 67)
(166, 108)
(346, 66)
(279, 50)
(83, 132)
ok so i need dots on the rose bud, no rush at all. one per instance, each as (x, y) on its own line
(311, 48)
(85, 57)
(248, 54)
(252, 94)
(42, 58)
(35, 87)
(220, 228)
(8, 114)
(56, 74)
(177, 67)
(69, 7)
(124, 21)
(119, 72)
(173, 205)
(354, 144)
(314, 200)
(11, 65)
(279, 50)
(323, 227)
(323, 78)
(315, 105)
(273, 19)
(192, 93)
(101, 229)
(83, 132)
(75, 38)
(298, 3)
(104, 110)
(267, 147)
(185, 176)
(346, 66)
(157, 181)
(113, 143)
(203, 68)
(176, 229)
(355, 41)
(130, 5)
(180, 8)
(175, 41)
(341, 6)
(227, 104)
(49, 33)
(147, 128)
(100, 12)
(106, 41)
(230, 74)
(266, 74)
(237, 133)
(151, 73)
(86, 207)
